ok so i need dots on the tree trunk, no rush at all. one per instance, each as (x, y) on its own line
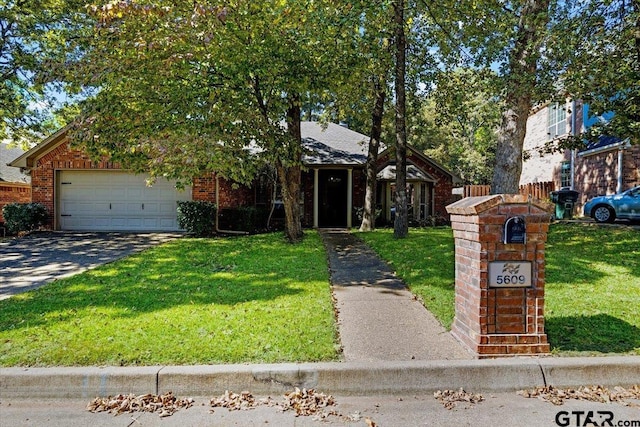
(290, 172)
(520, 90)
(401, 223)
(369, 212)
(506, 174)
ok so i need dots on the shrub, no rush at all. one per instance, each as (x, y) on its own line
(23, 217)
(244, 218)
(197, 217)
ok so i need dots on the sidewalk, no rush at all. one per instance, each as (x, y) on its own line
(378, 318)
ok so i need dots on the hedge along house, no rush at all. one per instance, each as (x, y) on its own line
(85, 195)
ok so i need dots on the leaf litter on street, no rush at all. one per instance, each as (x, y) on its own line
(596, 393)
(450, 398)
(303, 402)
(165, 404)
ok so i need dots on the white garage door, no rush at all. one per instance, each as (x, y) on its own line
(116, 201)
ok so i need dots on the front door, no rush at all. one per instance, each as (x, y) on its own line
(332, 198)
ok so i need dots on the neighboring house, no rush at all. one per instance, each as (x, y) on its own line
(15, 186)
(81, 194)
(607, 167)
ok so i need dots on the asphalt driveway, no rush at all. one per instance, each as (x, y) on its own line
(39, 258)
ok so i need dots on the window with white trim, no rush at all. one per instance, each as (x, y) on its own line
(565, 174)
(557, 120)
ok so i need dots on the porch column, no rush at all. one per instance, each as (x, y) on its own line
(349, 196)
(315, 198)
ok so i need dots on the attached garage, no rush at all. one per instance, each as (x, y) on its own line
(110, 200)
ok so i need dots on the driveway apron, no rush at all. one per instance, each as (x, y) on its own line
(39, 258)
(379, 319)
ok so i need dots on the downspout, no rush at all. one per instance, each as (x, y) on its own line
(218, 230)
(573, 152)
(620, 166)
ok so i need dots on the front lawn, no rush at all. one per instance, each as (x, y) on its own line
(592, 290)
(191, 301)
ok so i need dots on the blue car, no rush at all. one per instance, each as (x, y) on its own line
(625, 205)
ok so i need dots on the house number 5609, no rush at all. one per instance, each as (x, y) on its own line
(510, 280)
(509, 274)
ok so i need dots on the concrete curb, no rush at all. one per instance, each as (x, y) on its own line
(349, 378)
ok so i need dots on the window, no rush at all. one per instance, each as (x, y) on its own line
(565, 174)
(557, 120)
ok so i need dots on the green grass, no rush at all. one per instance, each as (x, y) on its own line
(592, 282)
(191, 301)
(425, 261)
(593, 289)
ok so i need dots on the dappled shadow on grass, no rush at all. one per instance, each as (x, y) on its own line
(572, 248)
(599, 333)
(196, 272)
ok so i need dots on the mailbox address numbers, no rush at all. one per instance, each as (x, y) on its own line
(509, 274)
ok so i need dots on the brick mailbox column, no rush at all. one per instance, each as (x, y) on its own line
(499, 274)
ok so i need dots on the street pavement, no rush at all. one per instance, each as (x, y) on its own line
(400, 410)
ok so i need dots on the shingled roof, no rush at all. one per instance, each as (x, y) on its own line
(9, 173)
(332, 144)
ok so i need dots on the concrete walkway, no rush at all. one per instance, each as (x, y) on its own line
(378, 318)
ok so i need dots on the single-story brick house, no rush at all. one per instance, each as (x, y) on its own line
(85, 195)
(608, 166)
(15, 186)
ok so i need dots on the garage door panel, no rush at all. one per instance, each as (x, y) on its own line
(117, 201)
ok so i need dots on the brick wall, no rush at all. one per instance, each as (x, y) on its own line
(539, 167)
(597, 174)
(13, 193)
(498, 321)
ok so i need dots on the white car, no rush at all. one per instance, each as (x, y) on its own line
(625, 205)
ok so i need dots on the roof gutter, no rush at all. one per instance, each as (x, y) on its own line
(622, 145)
(218, 230)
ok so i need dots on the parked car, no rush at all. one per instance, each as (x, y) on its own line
(625, 205)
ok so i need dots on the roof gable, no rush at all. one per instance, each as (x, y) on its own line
(414, 152)
(10, 173)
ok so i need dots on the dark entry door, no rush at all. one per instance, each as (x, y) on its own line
(332, 198)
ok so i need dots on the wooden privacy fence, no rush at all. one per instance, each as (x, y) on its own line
(538, 190)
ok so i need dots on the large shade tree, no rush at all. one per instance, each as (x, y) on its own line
(458, 128)
(30, 38)
(521, 39)
(181, 88)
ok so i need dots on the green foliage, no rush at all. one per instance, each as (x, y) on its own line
(251, 299)
(30, 40)
(22, 217)
(197, 217)
(457, 128)
(604, 66)
(250, 219)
